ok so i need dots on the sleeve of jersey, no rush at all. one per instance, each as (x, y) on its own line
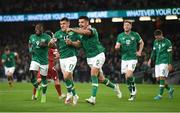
(169, 50)
(3, 57)
(55, 35)
(92, 31)
(48, 38)
(138, 37)
(118, 39)
(30, 39)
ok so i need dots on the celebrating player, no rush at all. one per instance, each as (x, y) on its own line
(68, 57)
(95, 56)
(38, 46)
(52, 74)
(8, 60)
(128, 42)
(162, 54)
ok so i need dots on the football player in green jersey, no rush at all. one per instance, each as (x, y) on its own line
(127, 42)
(8, 60)
(95, 56)
(162, 54)
(38, 47)
(68, 59)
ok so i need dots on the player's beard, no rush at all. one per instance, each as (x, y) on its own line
(38, 34)
(127, 31)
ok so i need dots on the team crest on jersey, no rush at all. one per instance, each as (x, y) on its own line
(70, 33)
(37, 42)
(132, 38)
(163, 45)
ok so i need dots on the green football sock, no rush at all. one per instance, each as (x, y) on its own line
(44, 84)
(94, 80)
(128, 82)
(161, 87)
(108, 83)
(132, 81)
(167, 87)
(68, 85)
(34, 82)
(73, 88)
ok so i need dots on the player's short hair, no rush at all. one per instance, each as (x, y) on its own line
(7, 48)
(65, 19)
(41, 25)
(128, 21)
(158, 32)
(84, 17)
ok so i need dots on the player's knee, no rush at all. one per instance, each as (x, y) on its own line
(101, 79)
(129, 74)
(162, 78)
(56, 82)
(94, 71)
(67, 75)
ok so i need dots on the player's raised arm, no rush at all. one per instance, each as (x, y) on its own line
(87, 32)
(85, 27)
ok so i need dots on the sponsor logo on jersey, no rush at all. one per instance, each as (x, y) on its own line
(128, 42)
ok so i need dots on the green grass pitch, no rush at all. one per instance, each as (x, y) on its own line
(18, 99)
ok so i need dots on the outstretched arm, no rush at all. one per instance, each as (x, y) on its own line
(87, 32)
(76, 44)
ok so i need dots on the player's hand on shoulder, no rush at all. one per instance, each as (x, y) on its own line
(69, 29)
(68, 41)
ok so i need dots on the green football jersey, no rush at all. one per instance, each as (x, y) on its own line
(65, 50)
(39, 54)
(9, 59)
(129, 43)
(161, 49)
(91, 44)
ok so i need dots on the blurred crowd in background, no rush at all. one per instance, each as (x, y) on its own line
(16, 34)
(35, 6)
(17, 39)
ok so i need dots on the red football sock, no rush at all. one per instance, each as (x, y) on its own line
(58, 89)
(34, 91)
